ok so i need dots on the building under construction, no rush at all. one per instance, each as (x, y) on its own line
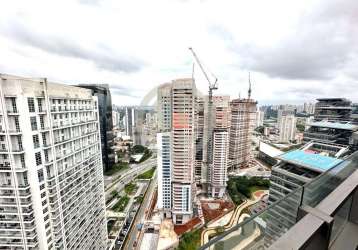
(243, 120)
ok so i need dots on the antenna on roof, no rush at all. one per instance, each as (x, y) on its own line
(249, 92)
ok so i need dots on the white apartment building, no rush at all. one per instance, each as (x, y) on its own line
(115, 119)
(260, 118)
(243, 121)
(176, 114)
(130, 121)
(51, 180)
(287, 128)
(220, 147)
(183, 136)
(218, 173)
(164, 203)
(164, 107)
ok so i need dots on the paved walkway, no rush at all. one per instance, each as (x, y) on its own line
(235, 219)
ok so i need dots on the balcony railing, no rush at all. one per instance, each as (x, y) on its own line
(265, 228)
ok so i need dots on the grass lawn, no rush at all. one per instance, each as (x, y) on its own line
(190, 240)
(147, 175)
(253, 189)
(130, 188)
(116, 168)
(114, 194)
(121, 204)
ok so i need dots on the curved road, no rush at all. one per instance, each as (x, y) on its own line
(234, 219)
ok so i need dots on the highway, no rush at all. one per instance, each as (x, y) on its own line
(127, 176)
(133, 233)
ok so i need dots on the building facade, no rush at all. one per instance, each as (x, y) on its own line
(176, 115)
(183, 153)
(287, 128)
(105, 120)
(164, 203)
(260, 118)
(218, 168)
(130, 115)
(51, 174)
(333, 109)
(243, 121)
(220, 147)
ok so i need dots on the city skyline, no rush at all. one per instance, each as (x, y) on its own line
(244, 39)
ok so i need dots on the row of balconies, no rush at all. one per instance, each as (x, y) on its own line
(72, 209)
(64, 124)
(92, 226)
(54, 203)
(63, 108)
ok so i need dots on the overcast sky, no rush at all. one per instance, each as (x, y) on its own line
(296, 51)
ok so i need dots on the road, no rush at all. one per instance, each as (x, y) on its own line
(132, 235)
(128, 176)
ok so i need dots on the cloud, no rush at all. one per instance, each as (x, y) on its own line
(122, 91)
(102, 57)
(323, 43)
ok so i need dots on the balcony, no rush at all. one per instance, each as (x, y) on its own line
(322, 214)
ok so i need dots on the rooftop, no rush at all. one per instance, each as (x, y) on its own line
(311, 161)
(269, 150)
(334, 125)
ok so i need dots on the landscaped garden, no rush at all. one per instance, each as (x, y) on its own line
(241, 188)
(140, 149)
(120, 166)
(130, 188)
(190, 240)
(147, 175)
(121, 204)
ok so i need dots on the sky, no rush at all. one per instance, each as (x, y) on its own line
(296, 50)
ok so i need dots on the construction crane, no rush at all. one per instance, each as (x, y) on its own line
(212, 86)
(209, 129)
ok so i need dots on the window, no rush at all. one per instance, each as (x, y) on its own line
(39, 104)
(40, 175)
(43, 194)
(42, 186)
(36, 141)
(31, 104)
(22, 159)
(33, 123)
(42, 122)
(38, 158)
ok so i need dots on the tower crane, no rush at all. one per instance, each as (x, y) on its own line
(209, 130)
(212, 86)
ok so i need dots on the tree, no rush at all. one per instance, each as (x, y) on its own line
(300, 127)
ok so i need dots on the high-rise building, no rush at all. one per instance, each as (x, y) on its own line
(295, 169)
(130, 122)
(260, 118)
(287, 127)
(105, 121)
(243, 121)
(177, 102)
(333, 109)
(308, 108)
(164, 203)
(333, 123)
(183, 153)
(116, 119)
(220, 148)
(164, 107)
(51, 175)
(219, 165)
(200, 173)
